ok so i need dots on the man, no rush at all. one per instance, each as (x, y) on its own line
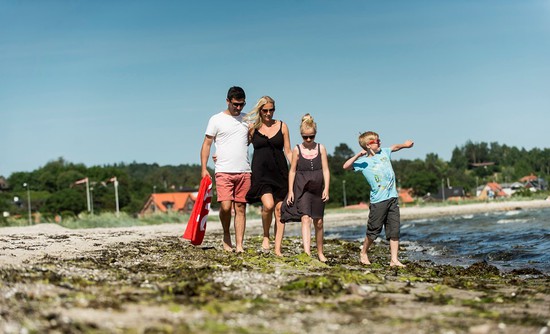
(229, 131)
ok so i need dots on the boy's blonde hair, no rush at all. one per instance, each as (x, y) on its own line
(308, 123)
(366, 137)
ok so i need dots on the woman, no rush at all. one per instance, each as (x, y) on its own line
(272, 154)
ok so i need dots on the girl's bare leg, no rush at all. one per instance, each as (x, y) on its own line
(306, 234)
(319, 236)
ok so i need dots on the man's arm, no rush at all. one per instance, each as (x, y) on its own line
(205, 154)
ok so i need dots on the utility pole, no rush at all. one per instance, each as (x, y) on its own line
(28, 202)
(344, 192)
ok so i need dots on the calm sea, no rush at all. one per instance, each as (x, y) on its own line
(508, 240)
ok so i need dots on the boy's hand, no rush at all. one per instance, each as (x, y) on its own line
(408, 143)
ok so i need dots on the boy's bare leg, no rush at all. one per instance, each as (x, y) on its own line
(366, 245)
(306, 234)
(279, 230)
(240, 225)
(319, 235)
(267, 217)
(225, 219)
(394, 249)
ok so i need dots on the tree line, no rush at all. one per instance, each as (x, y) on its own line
(53, 190)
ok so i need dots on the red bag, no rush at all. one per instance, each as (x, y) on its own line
(196, 227)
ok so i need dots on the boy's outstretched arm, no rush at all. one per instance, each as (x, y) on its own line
(407, 144)
(349, 163)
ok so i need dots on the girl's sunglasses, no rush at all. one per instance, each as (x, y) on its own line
(308, 137)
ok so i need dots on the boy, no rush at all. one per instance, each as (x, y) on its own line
(375, 164)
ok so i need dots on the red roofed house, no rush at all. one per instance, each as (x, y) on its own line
(173, 202)
(492, 190)
(528, 178)
(405, 195)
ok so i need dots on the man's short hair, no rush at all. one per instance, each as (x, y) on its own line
(236, 93)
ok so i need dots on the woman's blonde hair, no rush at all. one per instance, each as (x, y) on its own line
(366, 137)
(254, 115)
(308, 123)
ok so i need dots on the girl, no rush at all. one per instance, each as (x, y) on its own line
(308, 184)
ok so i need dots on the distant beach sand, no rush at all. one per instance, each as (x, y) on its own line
(24, 245)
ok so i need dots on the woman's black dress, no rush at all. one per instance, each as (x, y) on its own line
(269, 167)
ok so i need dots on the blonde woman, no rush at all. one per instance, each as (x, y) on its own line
(308, 184)
(271, 143)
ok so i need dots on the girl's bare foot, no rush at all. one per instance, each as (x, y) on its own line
(265, 243)
(397, 264)
(322, 258)
(364, 259)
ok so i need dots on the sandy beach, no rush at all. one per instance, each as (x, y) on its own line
(147, 280)
(28, 244)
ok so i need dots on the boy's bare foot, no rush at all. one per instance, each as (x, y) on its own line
(322, 258)
(265, 243)
(365, 259)
(397, 264)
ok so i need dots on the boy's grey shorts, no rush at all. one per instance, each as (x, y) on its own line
(385, 213)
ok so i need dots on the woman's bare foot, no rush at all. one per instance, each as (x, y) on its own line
(239, 250)
(397, 264)
(364, 259)
(265, 243)
(278, 253)
(322, 258)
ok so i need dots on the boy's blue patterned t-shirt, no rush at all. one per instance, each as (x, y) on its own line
(379, 173)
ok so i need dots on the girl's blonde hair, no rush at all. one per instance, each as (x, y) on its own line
(366, 137)
(308, 123)
(254, 115)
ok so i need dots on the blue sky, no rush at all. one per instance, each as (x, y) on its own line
(103, 82)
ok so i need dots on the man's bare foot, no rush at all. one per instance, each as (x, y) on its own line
(364, 259)
(397, 264)
(265, 243)
(322, 258)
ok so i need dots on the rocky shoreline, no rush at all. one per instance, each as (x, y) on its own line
(149, 280)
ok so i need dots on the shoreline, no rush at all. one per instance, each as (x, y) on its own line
(27, 244)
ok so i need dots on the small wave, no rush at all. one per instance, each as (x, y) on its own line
(512, 221)
(512, 213)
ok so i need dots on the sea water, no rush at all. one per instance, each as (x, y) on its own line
(508, 240)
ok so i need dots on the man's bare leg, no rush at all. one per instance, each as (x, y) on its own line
(225, 219)
(240, 225)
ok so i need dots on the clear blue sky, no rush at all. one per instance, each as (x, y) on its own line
(102, 82)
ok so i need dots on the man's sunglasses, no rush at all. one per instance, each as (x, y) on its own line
(236, 105)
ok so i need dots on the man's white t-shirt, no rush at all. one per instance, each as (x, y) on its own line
(231, 141)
